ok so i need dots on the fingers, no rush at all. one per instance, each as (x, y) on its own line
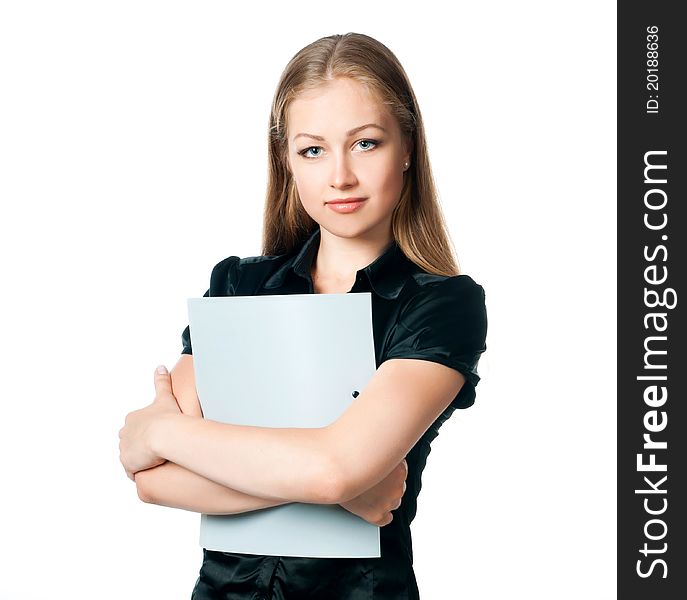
(163, 381)
(403, 491)
(129, 474)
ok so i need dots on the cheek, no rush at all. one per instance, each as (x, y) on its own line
(388, 182)
(311, 190)
(308, 189)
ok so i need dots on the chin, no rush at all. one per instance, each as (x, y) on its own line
(349, 230)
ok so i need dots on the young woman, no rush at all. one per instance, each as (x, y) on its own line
(351, 207)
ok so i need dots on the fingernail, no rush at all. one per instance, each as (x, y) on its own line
(162, 370)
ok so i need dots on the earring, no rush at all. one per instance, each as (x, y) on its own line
(405, 165)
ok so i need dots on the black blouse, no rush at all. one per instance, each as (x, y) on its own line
(415, 314)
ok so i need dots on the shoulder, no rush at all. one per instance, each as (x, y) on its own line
(445, 292)
(446, 314)
(442, 311)
(235, 275)
(444, 320)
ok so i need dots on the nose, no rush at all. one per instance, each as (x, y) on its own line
(343, 176)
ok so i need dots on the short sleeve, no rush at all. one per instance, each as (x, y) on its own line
(223, 281)
(445, 322)
(186, 335)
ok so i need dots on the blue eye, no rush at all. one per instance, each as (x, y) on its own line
(370, 145)
(304, 151)
(373, 142)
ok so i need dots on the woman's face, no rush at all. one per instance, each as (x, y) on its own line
(331, 157)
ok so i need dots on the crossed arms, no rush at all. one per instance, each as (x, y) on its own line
(360, 460)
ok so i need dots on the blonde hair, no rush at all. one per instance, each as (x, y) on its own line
(417, 223)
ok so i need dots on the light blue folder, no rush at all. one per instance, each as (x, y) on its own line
(284, 361)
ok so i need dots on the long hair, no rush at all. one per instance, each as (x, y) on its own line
(417, 223)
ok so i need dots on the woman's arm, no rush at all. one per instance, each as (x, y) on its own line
(327, 465)
(171, 485)
(176, 487)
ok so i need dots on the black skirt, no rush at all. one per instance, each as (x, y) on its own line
(230, 576)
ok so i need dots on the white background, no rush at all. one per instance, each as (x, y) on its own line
(133, 159)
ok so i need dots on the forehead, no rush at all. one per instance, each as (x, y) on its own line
(335, 107)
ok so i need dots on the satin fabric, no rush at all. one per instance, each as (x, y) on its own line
(415, 314)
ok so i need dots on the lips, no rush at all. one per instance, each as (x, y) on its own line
(345, 200)
(345, 206)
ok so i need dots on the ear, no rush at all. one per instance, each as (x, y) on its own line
(407, 148)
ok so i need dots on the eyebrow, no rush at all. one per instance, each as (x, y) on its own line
(348, 133)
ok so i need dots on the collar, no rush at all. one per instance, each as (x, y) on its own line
(387, 274)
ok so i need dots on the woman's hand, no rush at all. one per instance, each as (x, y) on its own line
(375, 505)
(135, 452)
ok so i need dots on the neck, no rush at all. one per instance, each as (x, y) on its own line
(338, 259)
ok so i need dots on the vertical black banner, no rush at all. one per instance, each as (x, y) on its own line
(652, 353)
